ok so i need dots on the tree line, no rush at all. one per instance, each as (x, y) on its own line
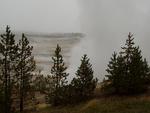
(19, 83)
(128, 73)
(16, 67)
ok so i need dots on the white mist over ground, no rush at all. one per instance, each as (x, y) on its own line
(106, 24)
(44, 46)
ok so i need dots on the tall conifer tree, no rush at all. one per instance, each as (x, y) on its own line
(8, 51)
(135, 74)
(1, 90)
(84, 84)
(24, 70)
(131, 74)
(59, 77)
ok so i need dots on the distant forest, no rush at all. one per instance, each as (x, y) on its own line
(128, 73)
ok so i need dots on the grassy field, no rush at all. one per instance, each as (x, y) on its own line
(113, 104)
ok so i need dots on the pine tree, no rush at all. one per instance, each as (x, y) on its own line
(84, 84)
(128, 72)
(128, 49)
(8, 50)
(59, 77)
(112, 67)
(138, 72)
(24, 70)
(49, 89)
(40, 82)
(112, 76)
(1, 91)
(116, 72)
(146, 70)
(135, 73)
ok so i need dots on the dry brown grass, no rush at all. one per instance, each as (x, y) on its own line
(103, 104)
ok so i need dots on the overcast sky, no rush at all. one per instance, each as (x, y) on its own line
(106, 24)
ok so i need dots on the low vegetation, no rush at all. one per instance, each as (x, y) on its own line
(112, 104)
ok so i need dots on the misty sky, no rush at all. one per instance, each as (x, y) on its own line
(106, 24)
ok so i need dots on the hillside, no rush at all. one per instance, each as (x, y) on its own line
(113, 104)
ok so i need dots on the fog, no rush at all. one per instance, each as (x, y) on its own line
(106, 24)
(44, 16)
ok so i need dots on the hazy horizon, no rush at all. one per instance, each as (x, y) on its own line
(105, 23)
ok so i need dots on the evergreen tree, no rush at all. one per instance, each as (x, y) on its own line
(49, 89)
(128, 73)
(128, 49)
(138, 72)
(8, 50)
(40, 82)
(24, 70)
(116, 73)
(112, 76)
(1, 91)
(146, 70)
(112, 67)
(135, 68)
(84, 84)
(59, 77)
